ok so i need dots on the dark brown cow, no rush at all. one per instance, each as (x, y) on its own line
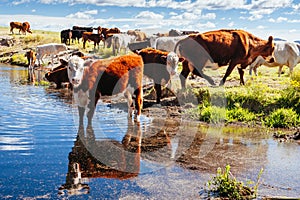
(107, 31)
(159, 66)
(89, 36)
(105, 77)
(31, 58)
(223, 47)
(58, 75)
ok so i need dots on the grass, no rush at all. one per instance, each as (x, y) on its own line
(225, 185)
(266, 99)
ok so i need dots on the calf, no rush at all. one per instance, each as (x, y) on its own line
(89, 36)
(31, 58)
(159, 66)
(285, 53)
(59, 74)
(49, 49)
(106, 77)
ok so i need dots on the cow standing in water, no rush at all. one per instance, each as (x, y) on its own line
(92, 80)
(233, 47)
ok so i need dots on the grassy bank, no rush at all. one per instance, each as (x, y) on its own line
(266, 100)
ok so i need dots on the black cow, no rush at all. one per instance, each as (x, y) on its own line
(65, 36)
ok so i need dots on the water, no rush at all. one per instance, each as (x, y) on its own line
(44, 155)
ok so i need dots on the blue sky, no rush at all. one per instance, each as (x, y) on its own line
(279, 18)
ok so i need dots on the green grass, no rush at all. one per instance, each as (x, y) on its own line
(225, 185)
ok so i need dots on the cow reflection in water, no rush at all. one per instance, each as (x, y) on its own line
(91, 158)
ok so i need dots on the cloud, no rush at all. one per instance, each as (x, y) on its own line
(148, 15)
(20, 2)
(278, 20)
(231, 24)
(83, 15)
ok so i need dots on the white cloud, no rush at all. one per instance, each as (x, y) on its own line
(148, 15)
(278, 20)
(20, 2)
(83, 15)
(261, 27)
(231, 24)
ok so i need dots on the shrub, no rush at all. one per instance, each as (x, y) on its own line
(282, 118)
(18, 59)
(212, 114)
(225, 185)
(240, 114)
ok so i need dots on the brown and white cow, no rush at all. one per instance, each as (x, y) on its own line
(223, 47)
(31, 58)
(159, 66)
(89, 36)
(92, 80)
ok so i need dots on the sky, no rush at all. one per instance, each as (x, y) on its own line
(279, 18)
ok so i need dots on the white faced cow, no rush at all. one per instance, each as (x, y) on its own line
(285, 53)
(50, 49)
(92, 80)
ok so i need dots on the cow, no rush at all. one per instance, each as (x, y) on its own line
(107, 32)
(66, 36)
(139, 35)
(59, 74)
(285, 53)
(159, 66)
(76, 35)
(26, 27)
(49, 49)
(233, 47)
(167, 43)
(31, 58)
(89, 36)
(174, 32)
(91, 80)
(83, 29)
(17, 25)
(120, 41)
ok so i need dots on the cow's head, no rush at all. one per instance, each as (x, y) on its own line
(264, 49)
(172, 63)
(75, 70)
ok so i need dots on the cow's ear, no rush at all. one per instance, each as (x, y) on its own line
(181, 59)
(163, 58)
(63, 61)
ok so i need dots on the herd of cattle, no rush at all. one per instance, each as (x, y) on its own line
(91, 78)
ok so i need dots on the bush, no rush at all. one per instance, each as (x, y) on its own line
(212, 114)
(19, 59)
(225, 185)
(282, 118)
(240, 115)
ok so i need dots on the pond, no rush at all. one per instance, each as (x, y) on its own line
(45, 156)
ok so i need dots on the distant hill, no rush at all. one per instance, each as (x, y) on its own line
(279, 39)
(298, 41)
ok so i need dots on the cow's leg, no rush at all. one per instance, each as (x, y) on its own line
(241, 72)
(184, 73)
(138, 103)
(230, 68)
(280, 70)
(157, 88)
(130, 105)
(92, 106)
(81, 111)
